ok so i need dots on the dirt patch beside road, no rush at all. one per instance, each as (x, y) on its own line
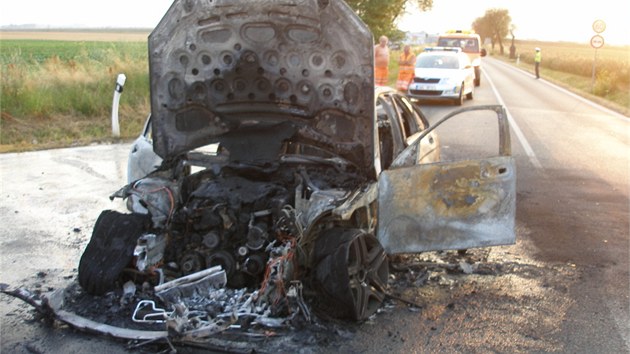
(69, 35)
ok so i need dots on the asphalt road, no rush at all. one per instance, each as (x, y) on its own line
(573, 160)
(575, 198)
(564, 287)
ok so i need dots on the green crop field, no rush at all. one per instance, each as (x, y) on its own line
(38, 51)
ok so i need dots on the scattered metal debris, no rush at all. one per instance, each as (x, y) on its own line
(147, 312)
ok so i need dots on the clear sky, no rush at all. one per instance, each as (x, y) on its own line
(567, 20)
(549, 20)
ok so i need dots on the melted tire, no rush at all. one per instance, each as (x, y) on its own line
(110, 250)
(352, 273)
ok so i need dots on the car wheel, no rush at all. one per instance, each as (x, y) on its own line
(460, 100)
(110, 250)
(352, 273)
(471, 94)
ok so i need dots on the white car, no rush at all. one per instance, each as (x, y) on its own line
(443, 73)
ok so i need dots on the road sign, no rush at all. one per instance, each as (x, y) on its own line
(599, 26)
(597, 41)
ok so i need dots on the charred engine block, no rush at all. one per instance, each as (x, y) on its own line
(230, 222)
(235, 218)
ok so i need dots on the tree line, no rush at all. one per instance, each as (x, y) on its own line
(381, 15)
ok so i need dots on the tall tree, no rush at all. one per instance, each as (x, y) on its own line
(495, 24)
(380, 15)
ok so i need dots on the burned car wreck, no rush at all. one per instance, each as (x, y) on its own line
(278, 176)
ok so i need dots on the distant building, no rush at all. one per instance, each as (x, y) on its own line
(420, 38)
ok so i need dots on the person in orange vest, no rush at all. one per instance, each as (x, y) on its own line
(381, 62)
(406, 67)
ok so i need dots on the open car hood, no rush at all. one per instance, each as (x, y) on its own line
(253, 75)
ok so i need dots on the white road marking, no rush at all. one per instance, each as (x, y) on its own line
(569, 93)
(519, 134)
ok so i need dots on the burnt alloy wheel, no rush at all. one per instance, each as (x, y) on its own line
(110, 250)
(353, 271)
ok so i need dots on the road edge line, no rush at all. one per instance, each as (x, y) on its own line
(519, 133)
(574, 95)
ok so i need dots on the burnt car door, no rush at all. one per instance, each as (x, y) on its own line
(448, 205)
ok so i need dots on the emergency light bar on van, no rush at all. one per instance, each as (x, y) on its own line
(460, 31)
(443, 49)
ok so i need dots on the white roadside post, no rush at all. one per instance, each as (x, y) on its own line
(597, 42)
(120, 83)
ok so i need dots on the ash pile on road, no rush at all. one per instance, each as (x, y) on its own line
(226, 319)
(199, 312)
